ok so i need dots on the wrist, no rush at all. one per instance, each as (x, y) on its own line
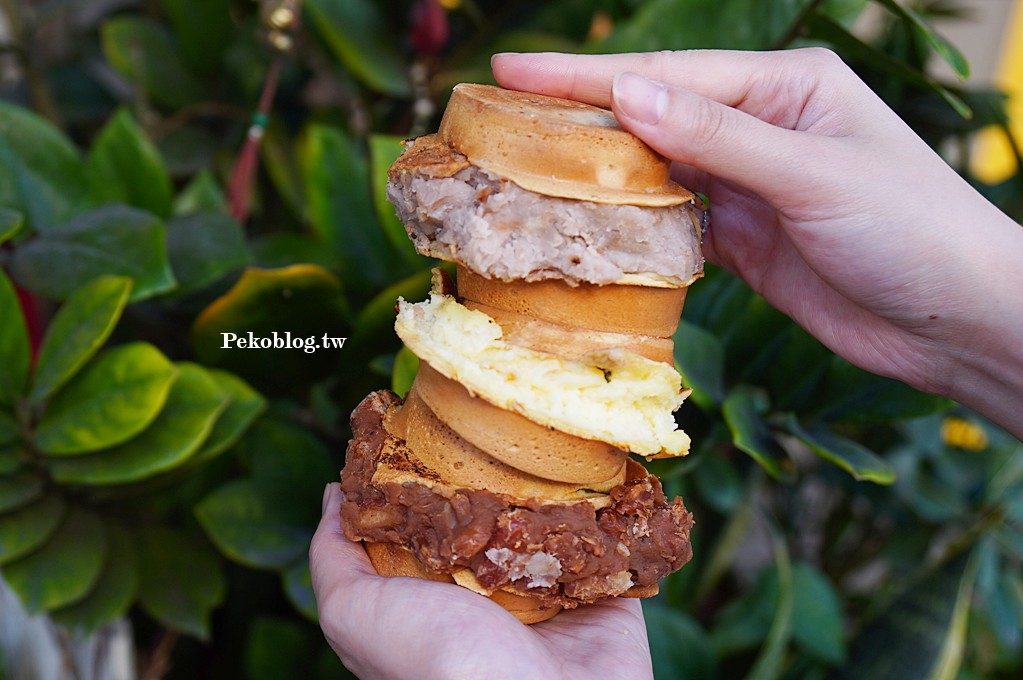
(984, 363)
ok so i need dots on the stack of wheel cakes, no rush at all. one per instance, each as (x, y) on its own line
(546, 363)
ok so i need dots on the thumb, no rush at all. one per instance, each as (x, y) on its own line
(713, 137)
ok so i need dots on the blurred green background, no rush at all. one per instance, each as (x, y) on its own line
(171, 170)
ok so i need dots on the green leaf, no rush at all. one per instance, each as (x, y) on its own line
(201, 194)
(27, 528)
(204, 30)
(298, 586)
(125, 167)
(340, 210)
(242, 520)
(12, 457)
(20, 489)
(946, 50)
(295, 463)
(112, 240)
(742, 411)
(378, 316)
(700, 358)
(11, 222)
(245, 405)
(269, 327)
(41, 171)
(277, 648)
(181, 582)
(919, 635)
(359, 37)
(145, 53)
(203, 247)
(406, 365)
(688, 24)
(856, 459)
(65, 568)
(77, 332)
(14, 344)
(770, 660)
(383, 151)
(110, 401)
(817, 615)
(114, 592)
(678, 645)
(193, 405)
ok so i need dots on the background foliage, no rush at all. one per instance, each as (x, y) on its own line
(847, 526)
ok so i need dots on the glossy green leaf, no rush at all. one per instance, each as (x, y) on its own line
(340, 208)
(111, 400)
(245, 405)
(278, 153)
(64, 569)
(687, 24)
(201, 194)
(203, 29)
(946, 50)
(406, 365)
(193, 405)
(701, 361)
(147, 54)
(14, 344)
(241, 519)
(383, 150)
(113, 593)
(19, 489)
(679, 646)
(41, 172)
(269, 327)
(125, 167)
(11, 222)
(203, 247)
(77, 331)
(357, 34)
(294, 463)
(856, 459)
(112, 240)
(181, 580)
(742, 411)
(377, 317)
(298, 586)
(25, 529)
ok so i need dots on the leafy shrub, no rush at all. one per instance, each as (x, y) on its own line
(847, 525)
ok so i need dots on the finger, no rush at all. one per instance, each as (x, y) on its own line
(718, 139)
(728, 77)
(334, 560)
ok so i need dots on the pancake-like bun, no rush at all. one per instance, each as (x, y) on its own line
(460, 464)
(544, 336)
(612, 308)
(557, 147)
(518, 441)
(394, 560)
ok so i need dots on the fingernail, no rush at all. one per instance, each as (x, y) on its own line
(641, 99)
(501, 54)
(326, 497)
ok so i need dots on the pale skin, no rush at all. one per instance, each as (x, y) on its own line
(825, 203)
